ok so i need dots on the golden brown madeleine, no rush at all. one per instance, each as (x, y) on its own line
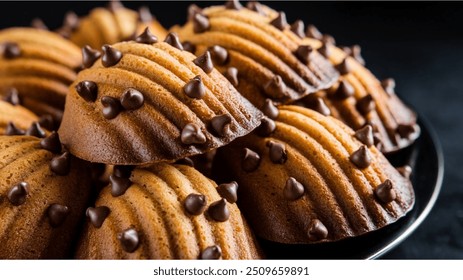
(142, 103)
(307, 179)
(43, 195)
(260, 55)
(40, 65)
(20, 117)
(164, 212)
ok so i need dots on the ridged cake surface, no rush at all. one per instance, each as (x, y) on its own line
(21, 117)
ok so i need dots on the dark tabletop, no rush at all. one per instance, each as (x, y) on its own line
(418, 44)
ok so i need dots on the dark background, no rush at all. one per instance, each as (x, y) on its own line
(418, 44)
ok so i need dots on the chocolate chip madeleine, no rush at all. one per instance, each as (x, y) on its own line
(15, 119)
(144, 102)
(307, 178)
(165, 212)
(43, 195)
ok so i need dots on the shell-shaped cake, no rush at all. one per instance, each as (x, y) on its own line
(110, 25)
(308, 178)
(165, 212)
(40, 65)
(260, 55)
(43, 196)
(20, 117)
(144, 102)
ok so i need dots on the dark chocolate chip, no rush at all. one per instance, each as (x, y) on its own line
(233, 5)
(365, 135)
(111, 56)
(146, 37)
(64, 32)
(267, 126)
(11, 50)
(361, 158)
(232, 75)
(385, 192)
(51, 143)
(344, 90)
(115, 5)
(251, 160)
(129, 240)
(298, 28)
(57, 214)
(356, 52)
(123, 171)
(111, 107)
(47, 122)
(36, 130)
(192, 134)
(293, 189)
(328, 40)
(88, 90)
(119, 185)
(18, 193)
(221, 124)
(303, 53)
(405, 171)
(186, 161)
(144, 14)
(406, 130)
(211, 253)
(12, 96)
(389, 86)
(11, 130)
(200, 23)
(61, 165)
(280, 21)
(256, 7)
(132, 99)
(195, 204)
(71, 20)
(229, 191)
(344, 67)
(38, 24)
(270, 110)
(193, 9)
(89, 56)
(189, 47)
(325, 50)
(277, 152)
(319, 105)
(275, 87)
(204, 62)
(218, 54)
(173, 40)
(97, 215)
(195, 88)
(313, 32)
(365, 104)
(377, 139)
(316, 230)
(218, 211)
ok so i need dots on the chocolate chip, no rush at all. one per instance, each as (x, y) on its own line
(267, 126)
(232, 75)
(365, 135)
(192, 134)
(405, 171)
(132, 99)
(64, 32)
(12, 97)
(385, 192)
(344, 67)
(389, 86)
(57, 214)
(71, 20)
(89, 56)
(97, 215)
(211, 253)
(298, 28)
(251, 160)
(280, 21)
(195, 204)
(61, 165)
(144, 14)
(111, 107)
(365, 104)
(377, 140)
(129, 240)
(47, 122)
(344, 90)
(270, 110)
(221, 124)
(356, 52)
(146, 37)
(18, 193)
(277, 152)
(275, 87)
(303, 53)
(256, 7)
(218, 54)
(313, 32)
(200, 23)
(195, 88)
(10, 50)
(233, 5)
(293, 189)
(218, 211)
(88, 90)
(111, 56)
(319, 105)
(361, 158)
(316, 230)
(119, 185)
(406, 130)
(186, 161)
(38, 24)
(193, 9)
(229, 191)
(173, 40)
(189, 47)
(36, 130)
(205, 62)
(11, 130)
(51, 143)
(115, 5)
(328, 40)
(325, 50)
(123, 171)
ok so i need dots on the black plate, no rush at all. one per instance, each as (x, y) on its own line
(426, 159)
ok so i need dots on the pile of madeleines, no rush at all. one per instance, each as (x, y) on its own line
(123, 140)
